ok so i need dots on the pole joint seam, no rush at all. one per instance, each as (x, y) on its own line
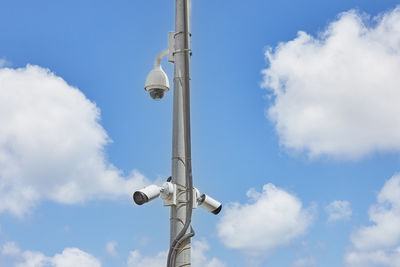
(181, 159)
(182, 51)
(182, 32)
(182, 77)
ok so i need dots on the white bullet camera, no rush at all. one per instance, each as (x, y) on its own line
(157, 82)
(168, 193)
(209, 204)
(146, 194)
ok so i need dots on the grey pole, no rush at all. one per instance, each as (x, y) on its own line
(181, 153)
(178, 192)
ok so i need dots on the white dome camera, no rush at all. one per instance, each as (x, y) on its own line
(209, 204)
(157, 82)
(146, 194)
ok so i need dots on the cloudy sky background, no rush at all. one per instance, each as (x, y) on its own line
(295, 129)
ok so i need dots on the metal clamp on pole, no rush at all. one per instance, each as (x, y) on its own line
(171, 47)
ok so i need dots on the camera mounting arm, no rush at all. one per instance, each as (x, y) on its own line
(160, 56)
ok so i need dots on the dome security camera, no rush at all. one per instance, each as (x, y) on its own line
(146, 194)
(157, 82)
(209, 204)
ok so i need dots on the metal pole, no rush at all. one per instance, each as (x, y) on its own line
(181, 153)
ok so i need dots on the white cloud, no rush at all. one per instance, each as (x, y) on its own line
(69, 257)
(379, 244)
(111, 248)
(52, 144)
(304, 262)
(338, 94)
(3, 62)
(338, 211)
(10, 248)
(32, 259)
(273, 218)
(198, 257)
(74, 257)
(136, 259)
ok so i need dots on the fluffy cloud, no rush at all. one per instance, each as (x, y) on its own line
(136, 259)
(338, 94)
(304, 262)
(3, 62)
(379, 244)
(273, 218)
(69, 257)
(74, 257)
(10, 249)
(199, 259)
(52, 144)
(338, 210)
(111, 248)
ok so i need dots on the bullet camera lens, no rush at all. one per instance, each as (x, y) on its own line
(140, 198)
(216, 211)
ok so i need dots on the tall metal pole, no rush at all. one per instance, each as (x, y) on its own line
(181, 151)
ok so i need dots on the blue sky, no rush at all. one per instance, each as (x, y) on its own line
(294, 130)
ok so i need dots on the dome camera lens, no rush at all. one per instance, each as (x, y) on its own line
(156, 93)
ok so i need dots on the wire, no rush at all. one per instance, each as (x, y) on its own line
(189, 235)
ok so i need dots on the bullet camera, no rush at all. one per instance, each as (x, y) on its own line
(168, 193)
(146, 194)
(209, 204)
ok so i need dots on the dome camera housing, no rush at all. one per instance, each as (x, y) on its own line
(157, 82)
